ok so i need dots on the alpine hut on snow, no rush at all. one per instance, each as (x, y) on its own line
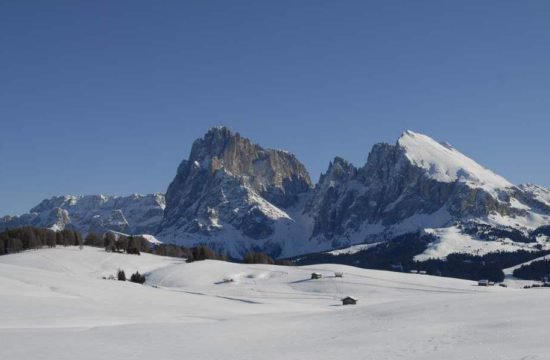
(349, 300)
(483, 282)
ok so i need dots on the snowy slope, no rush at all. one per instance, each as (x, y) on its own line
(446, 164)
(56, 307)
(538, 192)
(452, 240)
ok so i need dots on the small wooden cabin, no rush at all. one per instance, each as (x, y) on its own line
(349, 300)
(316, 275)
(483, 283)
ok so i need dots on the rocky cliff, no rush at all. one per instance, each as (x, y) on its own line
(131, 214)
(232, 194)
(236, 196)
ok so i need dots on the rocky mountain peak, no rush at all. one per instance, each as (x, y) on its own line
(230, 183)
(339, 170)
(236, 196)
(262, 169)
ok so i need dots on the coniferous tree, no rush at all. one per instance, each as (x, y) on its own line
(78, 241)
(121, 275)
(137, 278)
(257, 258)
(50, 239)
(109, 241)
(121, 244)
(14, 245)
(93, 239)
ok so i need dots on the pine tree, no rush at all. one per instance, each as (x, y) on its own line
(109, 241)
(121, 275)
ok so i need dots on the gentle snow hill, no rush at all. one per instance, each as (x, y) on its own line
(56, 306)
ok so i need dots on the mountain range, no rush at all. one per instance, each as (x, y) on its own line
(236, 196)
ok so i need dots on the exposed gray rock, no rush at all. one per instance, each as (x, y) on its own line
(231, 185)
(236, 196)
(392, 194)
(133, 214)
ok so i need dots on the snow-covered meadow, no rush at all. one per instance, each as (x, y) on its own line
(55, 305)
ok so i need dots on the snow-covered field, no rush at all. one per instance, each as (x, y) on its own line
(54, 305)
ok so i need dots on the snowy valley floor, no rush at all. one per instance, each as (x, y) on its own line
(54, 305)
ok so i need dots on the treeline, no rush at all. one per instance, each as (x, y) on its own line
(112, 243)
(399, 251)
(135, 244)
(537, 270)
(398, 255)
(26, 238)
(475, 267)
(489, 233)
(262, 258)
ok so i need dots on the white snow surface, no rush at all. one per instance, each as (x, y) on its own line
(55, 306)
(444, 163)
(353, 249)
(540, 193)
(451, 240)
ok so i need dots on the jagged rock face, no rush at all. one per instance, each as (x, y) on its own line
(414, 184)
(276, 175)
(231, 185)
(133, 214)
(236, 196)
(386, 191)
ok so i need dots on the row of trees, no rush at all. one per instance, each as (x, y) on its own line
(537, 270)
(258, 258)
(475, 267)
(26, 238)
(136, 277)
(400, 252)
(135, 244)
(254, 257)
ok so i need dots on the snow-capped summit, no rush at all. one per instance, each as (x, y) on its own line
(444, 163)
(237, 196)
(416, 184)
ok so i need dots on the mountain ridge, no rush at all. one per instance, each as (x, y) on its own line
(237, 196)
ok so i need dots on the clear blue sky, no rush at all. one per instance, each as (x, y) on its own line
(107, 96)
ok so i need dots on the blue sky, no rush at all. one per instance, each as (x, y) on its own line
(107, 96)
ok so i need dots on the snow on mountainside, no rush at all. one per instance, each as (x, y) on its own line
(446, 164)
(236, 196)
(452, 240)
(267, 312)
(537, 192)
(133, 214)
(418, 184)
